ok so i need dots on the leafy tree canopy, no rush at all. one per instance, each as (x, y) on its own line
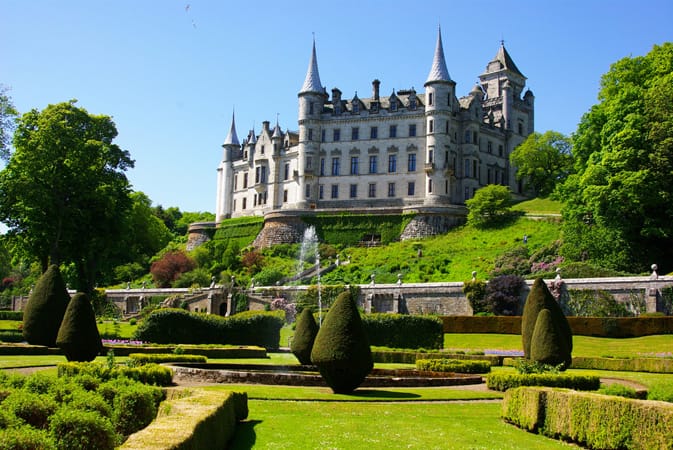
(491, 205)
(619, 203)
(543, 161)
(8, 116)
(64, 192)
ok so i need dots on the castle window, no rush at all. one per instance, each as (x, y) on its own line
(411, 162)
(520, 128)
(372, 190)
(412, 129)
(500, 150)
(245, 202)
(322, 167)
(374, 132)
(411, 188)
(337, 108)
(245, 154)
(446, 186)
(356, 107)
(467, 193)
(235, 182)
(489, 147)
(392, 163)
(373, 163)
(245, 180)
(310, 134)
(489, 176)
(234, 205)
(336, 135)
(323, 135)
(467, 136)
(393, 131)
(475, 171)
(321, 191)
(335, 166)
(286, 172)
(430, 99)
(254, 200)
(335, 191)
(391, 189)
(412, 103)
(354, 165)
(474, 137)
(446, 129)
(354, 190)
(309, 162)
(310, 108)
(355, 133)
(308, 192)
(262, 149)
(431, 156)
(393, 105)
(467, 168)
(285, 196)
(429, 185)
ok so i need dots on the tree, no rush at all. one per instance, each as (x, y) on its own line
(490, 206)
(542, 161)
(45, 309)
(78, 335)
(64, 193)
(341, 348)
(548, 345)
(170, 266)
(618, 205)
(304, 335)
(8, 116)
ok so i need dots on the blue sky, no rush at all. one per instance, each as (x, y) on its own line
(171, 72)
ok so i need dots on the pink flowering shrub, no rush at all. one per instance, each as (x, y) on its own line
(283, 304)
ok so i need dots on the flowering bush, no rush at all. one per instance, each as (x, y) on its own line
(282, 304)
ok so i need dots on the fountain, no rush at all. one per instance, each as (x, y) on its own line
(309, 248)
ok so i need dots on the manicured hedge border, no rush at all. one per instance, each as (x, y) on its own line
(453, 365)
(193, 419)
(11, 315)
(158, 358)
(615, 327)
(657, 365)
(504, 381)
(410, 357)
(592, 420)
(403, 330)
(207, 351)
(148, 374)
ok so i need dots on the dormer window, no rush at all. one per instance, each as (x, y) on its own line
(393, 105)
(356, 107)
(412, 103)
(337, 109)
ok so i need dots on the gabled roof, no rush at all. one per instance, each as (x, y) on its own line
(505, 60)
(312, 82)
(438, 71)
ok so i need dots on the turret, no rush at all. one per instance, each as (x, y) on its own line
(439, 96)
(225, 178)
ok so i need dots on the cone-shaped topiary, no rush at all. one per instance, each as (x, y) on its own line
(45, 308)
(538, 299)
(547, 344)
(341, 348)
(304, 335)
(78, 336)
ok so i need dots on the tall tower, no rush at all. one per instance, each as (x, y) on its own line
(439, 98)
(225, 175)
(312, 98)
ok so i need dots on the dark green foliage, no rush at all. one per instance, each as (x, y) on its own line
(503, 294)
(475, 291)
(595, 303)
(661, 391)
(512, 262)
(547, 343)
(45, 309)
(25, 438)
(134, 408)
(78, 335)
(76, 429)
(177, 326)
(341, 348)
(453, 365)
(33, 409)
(540, 298)
(350, 229)
(490, 206)
(404, 331)
(618, 390)
(502, 381)
(11, 315)
(304, 336)
(140, 359)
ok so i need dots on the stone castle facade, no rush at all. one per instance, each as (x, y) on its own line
(424, 152)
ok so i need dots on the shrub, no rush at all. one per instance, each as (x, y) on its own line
(661, 391)
(25, 438)
(475, 291)
(158, 358)
(304, 336)
(490, 206)
(618, 390)
(11, 315)
(453, 365)
(512, 262)
(504, 381)
(547, 343)
(77, 429)
(45, 309)
(148, 374)
(78, 335)
(39, 383)
(34, 409)
(197, 277)
(502, 295)
(341, 348)
(170, 266)
(540, 298)
(404, 331)
(134, 408)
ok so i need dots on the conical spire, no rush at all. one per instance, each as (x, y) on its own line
(312, 81)
(438, 71)
(505, 60)
(232, 138)
(276, 131)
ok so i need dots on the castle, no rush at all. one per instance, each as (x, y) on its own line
(422, 152)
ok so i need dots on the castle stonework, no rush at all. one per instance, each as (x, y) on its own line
(420, 152)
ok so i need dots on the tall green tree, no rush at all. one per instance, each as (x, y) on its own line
(490, 206)
(619, 203)
(8, 115)
(64, 192)
(543, 161)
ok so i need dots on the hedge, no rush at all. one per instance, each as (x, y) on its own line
(591, 420)
(410, 357)
(658, 365)
(504, 381)
(208, 351)
(147, 374)
(158, 358)
(11, 315)
(177, 326)
(615, 327)
(404, 331)
(11, 336)
(27, 349)
(193, 419)
(350, 228)
(453, 365)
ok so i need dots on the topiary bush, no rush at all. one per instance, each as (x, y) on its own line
(78, 335)
(341, 348)
(45, 308)
(548, 346)
(304, 335)
(540, 298)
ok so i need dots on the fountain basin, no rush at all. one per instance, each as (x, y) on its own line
(296, 375)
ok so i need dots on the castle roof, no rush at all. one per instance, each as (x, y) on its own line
(503, 61)
(232, 138)
(438, 71)
(312, 82)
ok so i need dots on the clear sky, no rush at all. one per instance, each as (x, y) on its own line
(171, 72)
